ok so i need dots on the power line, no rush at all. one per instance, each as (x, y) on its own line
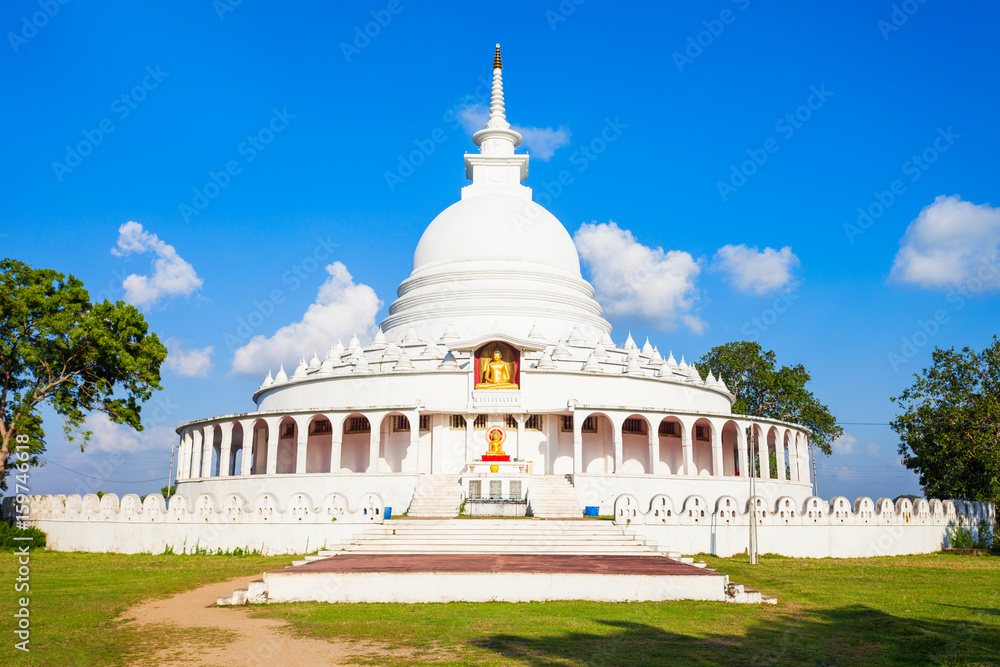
(102, 479)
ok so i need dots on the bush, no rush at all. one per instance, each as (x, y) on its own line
(962, 537)
(9, 532)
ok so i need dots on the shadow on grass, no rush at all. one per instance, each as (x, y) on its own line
(854, 635)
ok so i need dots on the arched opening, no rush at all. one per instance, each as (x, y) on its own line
(236, 450)
(288, 434)
(671, 447)
(319, 446)
(394, 442)
(598, 453)
(635, 445)
(355, 452)
(258, 460)
(730, 449)
(702, 435)
(772, 456)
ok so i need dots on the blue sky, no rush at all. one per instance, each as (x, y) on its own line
(757, 126)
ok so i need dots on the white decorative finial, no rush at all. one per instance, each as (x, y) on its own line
(497, 138)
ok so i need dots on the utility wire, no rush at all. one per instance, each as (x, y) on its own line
(103, 479)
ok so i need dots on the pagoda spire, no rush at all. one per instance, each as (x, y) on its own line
(496, 165)
(497, 138)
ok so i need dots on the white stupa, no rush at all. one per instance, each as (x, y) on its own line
(495, 331)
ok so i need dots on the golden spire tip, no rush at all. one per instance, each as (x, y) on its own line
(496, 59)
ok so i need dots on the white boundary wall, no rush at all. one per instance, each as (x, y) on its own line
(813, 528)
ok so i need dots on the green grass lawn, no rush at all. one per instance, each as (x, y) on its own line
(74, 598)
(913, 610)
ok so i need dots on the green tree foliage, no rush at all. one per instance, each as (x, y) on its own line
(58, 348)
(762, 390)
(949, 431)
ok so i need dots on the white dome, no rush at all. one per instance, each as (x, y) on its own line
(496, 227)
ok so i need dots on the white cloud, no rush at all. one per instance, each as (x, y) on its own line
(951, 242)
(172, 275)
(110, 437)
(633, 279)
(756, 271)
(193, 363)
(844, 444)
(342, 308)
(540, 142)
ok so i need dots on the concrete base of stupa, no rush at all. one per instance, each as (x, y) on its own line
(413, 578)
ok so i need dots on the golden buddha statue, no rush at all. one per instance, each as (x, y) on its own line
(496, 373)
(496, 441)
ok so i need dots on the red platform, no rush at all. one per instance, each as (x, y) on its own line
(491, 457)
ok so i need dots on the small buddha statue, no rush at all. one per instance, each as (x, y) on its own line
(496, 440)
(496, 373)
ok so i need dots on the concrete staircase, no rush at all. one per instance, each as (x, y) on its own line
(495, 536)
(553, 497)
(436, 496)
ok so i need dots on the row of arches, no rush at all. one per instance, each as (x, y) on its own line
(583, 441)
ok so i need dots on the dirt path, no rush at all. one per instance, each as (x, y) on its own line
(255, 641)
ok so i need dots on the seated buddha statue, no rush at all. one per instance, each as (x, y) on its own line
(496, 373)
(496, 442)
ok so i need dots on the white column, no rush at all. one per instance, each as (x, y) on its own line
(439, 426)
(225, 448)
(716, 435)
(617, 442)
(374, 442)
(198, 436)
(184, 456)
(779, 450)
(469, 455)
(271, 446)
(741, 449)
(577, 443)
(247, 459)
(206, 452)
(806, 468)
(414, 450)
(687, 450)
(301, 443)
(336, 441)
(654, 448)
(520, 437)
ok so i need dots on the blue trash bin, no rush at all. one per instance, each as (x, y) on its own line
(387, 514)
(591, 510)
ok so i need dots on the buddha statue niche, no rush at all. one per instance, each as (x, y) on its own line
(496, 373)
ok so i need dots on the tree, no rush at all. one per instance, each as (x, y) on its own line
(58, 348)
(950, 427)
(761, 390)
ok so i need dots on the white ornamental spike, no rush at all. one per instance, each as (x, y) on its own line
(629, 343)
(300, 370)
(404, 363)
(607, 342)
(268, 381)
(545, 363)
(600, 352)
(449, 363)
(497, 138)
(314, 363)
(281, 376)
(655, 358)
(647, 349)
(671, 360)
(592, 365)
(362, 365)
(379, 341)
(449, 333)
(535, 333)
